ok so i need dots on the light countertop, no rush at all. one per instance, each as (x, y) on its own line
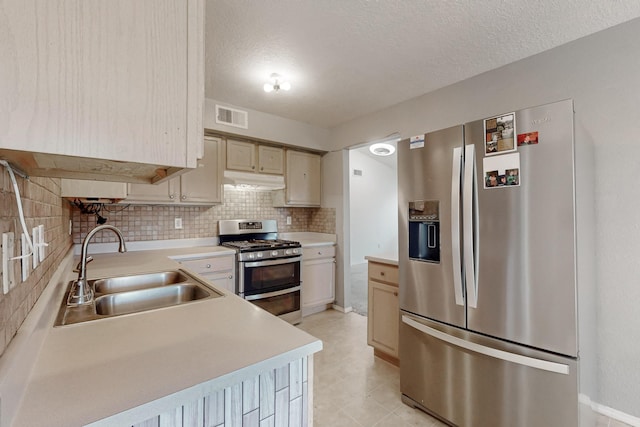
(310, 239)
(391, 259)
(89, 371)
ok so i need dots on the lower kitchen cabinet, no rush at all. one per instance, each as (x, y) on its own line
(384, 311)
(318, 278)
(220, 270)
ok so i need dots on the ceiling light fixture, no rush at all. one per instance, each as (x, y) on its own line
(385, 146)
(276, 84)
(382, 149)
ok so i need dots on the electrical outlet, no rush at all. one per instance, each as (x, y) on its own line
(36, 242)
(41, 243)
(24, 262)
(177, 224)
(288, 220)
(8, 280)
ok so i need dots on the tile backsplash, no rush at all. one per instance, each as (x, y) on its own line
(41, 204)
(152, 222)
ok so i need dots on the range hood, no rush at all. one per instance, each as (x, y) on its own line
(252, 181)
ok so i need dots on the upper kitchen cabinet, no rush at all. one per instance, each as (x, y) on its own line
(302, 180)
(106, 90)
(200, 186)
(252, 157)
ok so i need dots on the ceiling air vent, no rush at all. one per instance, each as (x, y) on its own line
(232, 117)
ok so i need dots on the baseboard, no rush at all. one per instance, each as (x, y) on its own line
(609, 412)
(342, 309)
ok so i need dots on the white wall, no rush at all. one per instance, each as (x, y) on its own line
(601, 73)
(270, 127)
(373, 206)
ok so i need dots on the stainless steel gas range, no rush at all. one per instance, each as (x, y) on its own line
(267, 268)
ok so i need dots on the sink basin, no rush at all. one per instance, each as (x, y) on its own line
(116, 296)
(138, 281)
(148, 299)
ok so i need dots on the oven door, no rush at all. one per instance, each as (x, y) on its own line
(284, 304)
(262, 277)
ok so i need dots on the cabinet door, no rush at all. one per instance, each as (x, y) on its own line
(318, 282)
(166, 192)
(303, 179)
(271, 160)
(223, 280)
(118, 80)
(204, 184)
(241, 155)
(383, 318)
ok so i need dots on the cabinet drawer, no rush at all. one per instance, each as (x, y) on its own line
(318, 252)
(383, 273)
(209, 265)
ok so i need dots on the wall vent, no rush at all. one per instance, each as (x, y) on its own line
(357, 172)
(232, 117)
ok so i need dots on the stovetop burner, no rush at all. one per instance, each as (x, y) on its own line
(254, 244)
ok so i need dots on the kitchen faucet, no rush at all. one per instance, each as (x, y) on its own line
(81, 293)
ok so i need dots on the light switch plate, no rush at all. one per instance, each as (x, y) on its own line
(41, 243)
(8, 280)
(36, 242)
(24, 262)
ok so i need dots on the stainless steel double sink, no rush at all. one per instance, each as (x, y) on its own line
(115, 296)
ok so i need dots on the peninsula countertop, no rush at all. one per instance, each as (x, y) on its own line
(389, 258)
(87, 372)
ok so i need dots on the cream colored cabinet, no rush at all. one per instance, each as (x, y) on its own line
(383, 311)
(200, 186)
(86, 189)
(220, 270)
(252, 157)
(302, 180)
(118, 84)
(318, 278)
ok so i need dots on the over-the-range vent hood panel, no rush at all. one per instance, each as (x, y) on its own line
(253, 181)
(60, 166)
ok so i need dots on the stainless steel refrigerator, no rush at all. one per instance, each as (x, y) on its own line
(487, 257)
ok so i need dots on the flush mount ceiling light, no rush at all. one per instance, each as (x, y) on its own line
(382, 149)
(276, 83)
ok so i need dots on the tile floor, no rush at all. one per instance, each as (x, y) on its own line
(352, 387)
(355, 389)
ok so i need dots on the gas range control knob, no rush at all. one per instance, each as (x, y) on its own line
(259, 254)
(288, 252)
(252, 256)
(274, 253)
(296, 251)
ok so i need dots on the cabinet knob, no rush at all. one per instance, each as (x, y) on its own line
(261, 168)
(208, 265)
(183, 197)
(395, 294)
(230, 277)
(382, 273)
(172, 196)
(253, 167)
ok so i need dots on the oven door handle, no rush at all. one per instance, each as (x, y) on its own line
(272, 294)
(271, 262)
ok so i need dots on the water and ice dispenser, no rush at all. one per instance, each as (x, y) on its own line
(424, 230)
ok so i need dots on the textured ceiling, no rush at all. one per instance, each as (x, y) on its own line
(348, 58)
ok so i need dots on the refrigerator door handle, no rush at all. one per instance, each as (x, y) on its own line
(531, 362)
(455, 225)
(468, 220)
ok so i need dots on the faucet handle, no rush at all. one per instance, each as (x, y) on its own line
(77, 269)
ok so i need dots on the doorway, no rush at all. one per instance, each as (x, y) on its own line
(373, 216)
